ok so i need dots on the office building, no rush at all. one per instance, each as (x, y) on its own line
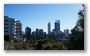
(57, 25)
(28, 33)
(37, 32)
(34, 35)
(40, 33)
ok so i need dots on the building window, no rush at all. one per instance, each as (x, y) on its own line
(12, 24)
(5, 31)
(16, 28)
(5, 24)
(6, 20)
(12, 28)
(16, 31)
(12, 21)
(5, 27)
(17, 25)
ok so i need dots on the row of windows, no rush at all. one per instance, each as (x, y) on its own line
(5, 24)
(8, 24)
(12, 31)
(5, 31)
(12, 28)
(11, 24)
(6, 20)
(5, 27)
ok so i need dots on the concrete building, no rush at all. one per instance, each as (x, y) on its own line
(18, 29)
(10, 27)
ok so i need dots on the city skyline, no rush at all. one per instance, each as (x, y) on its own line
(38, 15)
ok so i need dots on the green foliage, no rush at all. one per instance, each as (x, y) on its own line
(77, 33)
(42, 44)
(49, 44)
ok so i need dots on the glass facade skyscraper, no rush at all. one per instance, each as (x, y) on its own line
(28, 33)
(57, 25)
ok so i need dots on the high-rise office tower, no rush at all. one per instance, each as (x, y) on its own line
(41, 33)
(28, 33)
(57, 25)
(34, 35)
(37, 33)
(49, 28)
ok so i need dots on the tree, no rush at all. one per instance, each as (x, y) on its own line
(77, 33)
(49, 44)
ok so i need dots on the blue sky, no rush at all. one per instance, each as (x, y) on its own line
(38, 15)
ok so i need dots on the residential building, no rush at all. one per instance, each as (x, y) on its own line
(10, 27)
(18, 29)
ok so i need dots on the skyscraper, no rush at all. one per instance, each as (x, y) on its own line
(57, 25)
(37, 33)
(41, 33)
(49, 28)
(34, 35)
(28, 33)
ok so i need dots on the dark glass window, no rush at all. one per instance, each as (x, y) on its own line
(6, 20)
(5, 27)
(5, 24)
(5, 31)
